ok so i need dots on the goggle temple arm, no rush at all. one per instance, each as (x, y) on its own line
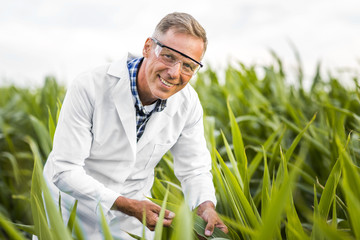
(158, 49)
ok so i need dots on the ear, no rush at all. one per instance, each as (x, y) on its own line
(147, 48)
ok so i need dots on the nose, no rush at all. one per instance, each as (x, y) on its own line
(175, 70)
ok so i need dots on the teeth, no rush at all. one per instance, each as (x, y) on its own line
(166, 83)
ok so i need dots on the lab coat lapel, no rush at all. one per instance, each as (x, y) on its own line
(158, 121)
(123, 100)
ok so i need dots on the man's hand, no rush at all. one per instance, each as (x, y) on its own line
(136, 209)
(206, 211)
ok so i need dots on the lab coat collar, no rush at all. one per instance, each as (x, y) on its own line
(123, 100)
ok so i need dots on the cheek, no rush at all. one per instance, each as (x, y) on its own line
(153, 70)
(185, 81)
(151, 73)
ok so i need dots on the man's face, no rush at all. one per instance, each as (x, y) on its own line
(159, 81)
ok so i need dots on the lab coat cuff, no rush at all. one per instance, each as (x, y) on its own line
(107, 200)
(196, 202)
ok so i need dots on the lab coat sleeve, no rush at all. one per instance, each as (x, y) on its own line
(72, 143)
(192, 160)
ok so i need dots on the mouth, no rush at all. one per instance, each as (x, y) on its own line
(167, 84)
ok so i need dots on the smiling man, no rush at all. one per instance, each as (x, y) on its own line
(116, 123)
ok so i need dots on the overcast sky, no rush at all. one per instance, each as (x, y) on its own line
(66, 37)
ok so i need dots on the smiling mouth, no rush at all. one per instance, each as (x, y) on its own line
(166, 83)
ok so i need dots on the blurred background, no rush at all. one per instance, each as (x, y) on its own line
(63, 38)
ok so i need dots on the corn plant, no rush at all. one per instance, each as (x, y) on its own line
(285, 160)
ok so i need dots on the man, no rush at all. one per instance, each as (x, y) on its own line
(116, 123)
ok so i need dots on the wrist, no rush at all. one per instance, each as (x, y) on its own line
(205, 205)
(125, 205)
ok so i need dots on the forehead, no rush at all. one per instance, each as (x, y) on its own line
(185, 43)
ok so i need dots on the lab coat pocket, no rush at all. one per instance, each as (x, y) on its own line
(158, 152)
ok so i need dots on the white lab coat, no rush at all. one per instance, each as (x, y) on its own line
(96, 157)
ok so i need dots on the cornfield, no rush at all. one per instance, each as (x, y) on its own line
(285, 159)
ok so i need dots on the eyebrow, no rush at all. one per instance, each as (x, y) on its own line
(164, 46)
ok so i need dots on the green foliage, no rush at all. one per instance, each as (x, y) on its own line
(285, 160)
(24, 113)
(281, 126)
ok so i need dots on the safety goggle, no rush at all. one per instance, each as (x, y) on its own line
(171, 57)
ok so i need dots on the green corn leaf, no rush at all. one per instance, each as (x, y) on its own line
(282, 171)
(315, 234)
(257, 159)
(316, 144)
(71, 221)
(170, 206)
(51, 125)
(329, 192)
(26, 228)
(59, 105)
(278, 203)
(14, 165)
(233, 203)
(239, 203)
(39, 195)
(77, 231)
(10, 229)
(276, 150)
(42, 135)
(220, 187)
(294, 233)
(38, 209)
(238, 144)
(183, 223)
(334, 214)
(159, 223)
(59, 204)
(297, 139)
(144, 225)
(233, 161)
(133, 236)
(233, 225)
(104, 226)
(266, 185)
(200, 225)
(327, 232)
(159, 191)
(294, 229)
(352, 194)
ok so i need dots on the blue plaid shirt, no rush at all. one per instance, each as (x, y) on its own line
(142, 116)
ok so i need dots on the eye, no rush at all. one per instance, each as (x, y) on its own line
(188, 67)
(168, 56)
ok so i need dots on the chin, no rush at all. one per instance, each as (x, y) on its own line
(163, 97)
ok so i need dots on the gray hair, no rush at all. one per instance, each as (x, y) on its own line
(181, 23)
